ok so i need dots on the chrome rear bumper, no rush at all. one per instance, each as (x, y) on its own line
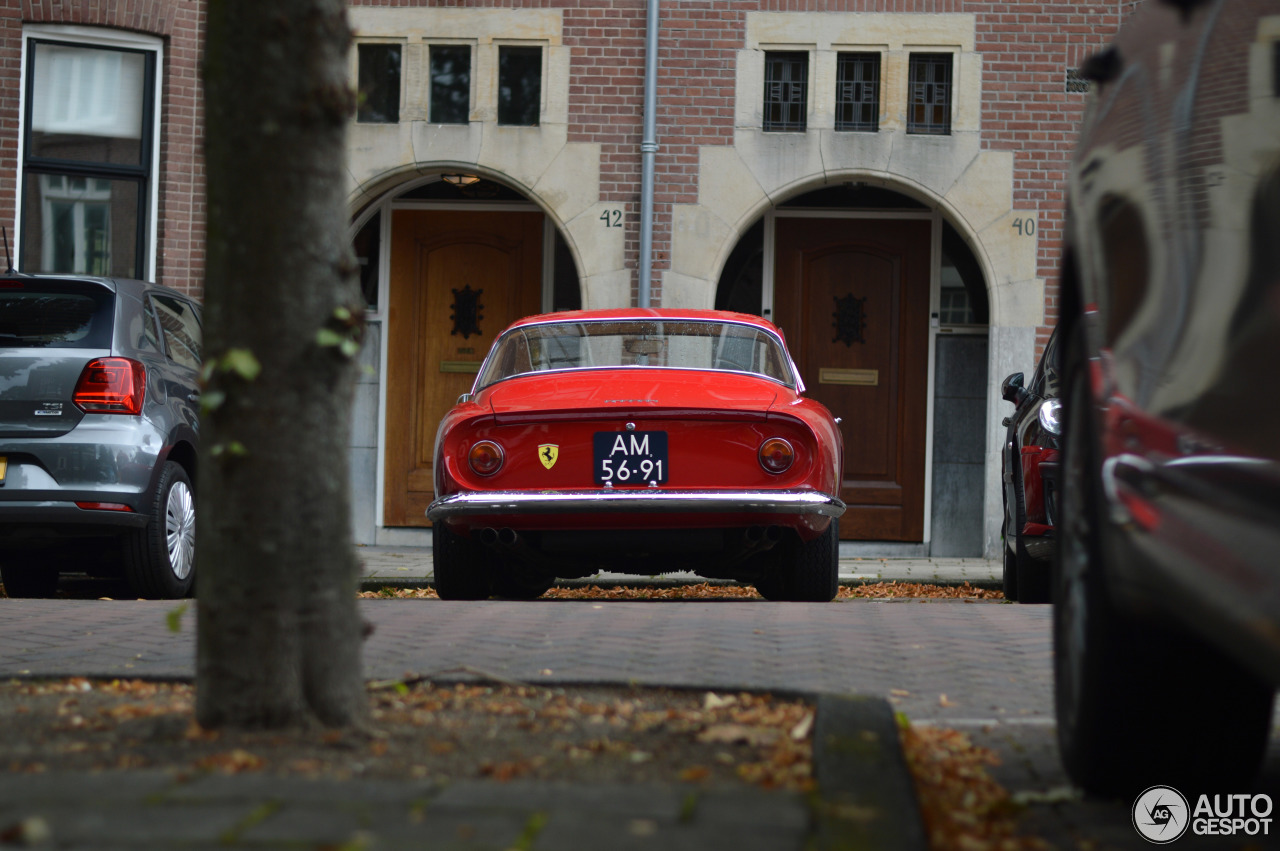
(634, 501)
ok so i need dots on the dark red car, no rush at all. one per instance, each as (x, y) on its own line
(1167, 582)
(644, 441)
(1029, 469)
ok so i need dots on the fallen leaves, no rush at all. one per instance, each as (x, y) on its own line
(421, 729)
(444, 732)
(964, 809)
(721, 591)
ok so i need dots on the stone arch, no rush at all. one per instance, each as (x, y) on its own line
(875, 187)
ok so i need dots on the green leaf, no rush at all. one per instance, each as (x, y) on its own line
(328, 337)
(242, 363)
(174, 617)
(342, 314)
(235, 448)
(212, 400)
(350, 347)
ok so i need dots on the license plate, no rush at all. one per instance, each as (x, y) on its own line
(636, 458)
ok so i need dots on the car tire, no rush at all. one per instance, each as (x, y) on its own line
(159, 559)
(518, 582)
(460, 565)
(23, 579)
(1032, 580)
(809, 571)
(771, 583)
(1137, 704)
(1010, 572)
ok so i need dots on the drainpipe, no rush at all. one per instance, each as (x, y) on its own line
(648, 153)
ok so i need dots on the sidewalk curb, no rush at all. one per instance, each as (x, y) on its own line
(867, 798)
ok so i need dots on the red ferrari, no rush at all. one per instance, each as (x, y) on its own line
(639, 441)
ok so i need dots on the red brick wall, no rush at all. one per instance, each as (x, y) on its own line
(180, 23)
(1027, 47)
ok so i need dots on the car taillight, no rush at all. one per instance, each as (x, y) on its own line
(111, 386)
(776, 455)
(485, 458)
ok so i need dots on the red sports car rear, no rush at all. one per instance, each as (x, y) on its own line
(639, 441)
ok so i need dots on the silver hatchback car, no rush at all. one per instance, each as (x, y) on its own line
(99, 425)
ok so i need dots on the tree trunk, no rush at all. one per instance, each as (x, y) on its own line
(279, 634)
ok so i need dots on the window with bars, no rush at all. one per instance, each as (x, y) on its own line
(1075, 83)
(786, 90)
(929, 104)
(858, 91)
(519, 85)
(450, 84)
(379, 83)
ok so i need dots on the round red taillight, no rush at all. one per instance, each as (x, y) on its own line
(485, 458)
(776, 455)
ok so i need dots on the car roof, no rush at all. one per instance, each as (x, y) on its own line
(641, 313)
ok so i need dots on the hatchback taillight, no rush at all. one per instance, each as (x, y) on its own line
(111, 386)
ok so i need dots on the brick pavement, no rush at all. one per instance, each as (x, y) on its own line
(990, 661)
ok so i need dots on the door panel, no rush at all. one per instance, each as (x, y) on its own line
(457, 279)
(852, 296)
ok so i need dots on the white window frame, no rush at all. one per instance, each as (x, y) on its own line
(91, 37)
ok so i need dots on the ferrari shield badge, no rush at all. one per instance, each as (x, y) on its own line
(547, 454)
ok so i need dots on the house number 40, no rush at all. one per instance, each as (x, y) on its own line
(1025, 227)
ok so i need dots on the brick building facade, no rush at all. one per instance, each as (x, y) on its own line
(499, 146)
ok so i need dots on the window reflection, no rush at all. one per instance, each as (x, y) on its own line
(87, 104)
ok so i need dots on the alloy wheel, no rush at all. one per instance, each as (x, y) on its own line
(180, 529)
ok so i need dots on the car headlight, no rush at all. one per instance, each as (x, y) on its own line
(1051, 417)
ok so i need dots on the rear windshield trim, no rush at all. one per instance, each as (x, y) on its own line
(793, 381)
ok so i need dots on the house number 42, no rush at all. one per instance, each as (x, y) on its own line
(611, 218)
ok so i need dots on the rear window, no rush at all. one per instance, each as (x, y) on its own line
(55, 314)
(639, 343)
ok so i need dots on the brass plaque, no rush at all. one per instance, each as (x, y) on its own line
(855, 377)
(465, 366)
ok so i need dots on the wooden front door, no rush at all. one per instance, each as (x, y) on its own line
(457, 279)
(852, 296)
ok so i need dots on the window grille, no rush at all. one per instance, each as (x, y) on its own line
(930, 101)
(519, 85)
(379, 83)
(954, 307)
(786, 91)
(1075, 83)
(858, 91)
(450, 84)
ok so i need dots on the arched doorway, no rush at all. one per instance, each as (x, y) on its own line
(885, 309)
(458, 259)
